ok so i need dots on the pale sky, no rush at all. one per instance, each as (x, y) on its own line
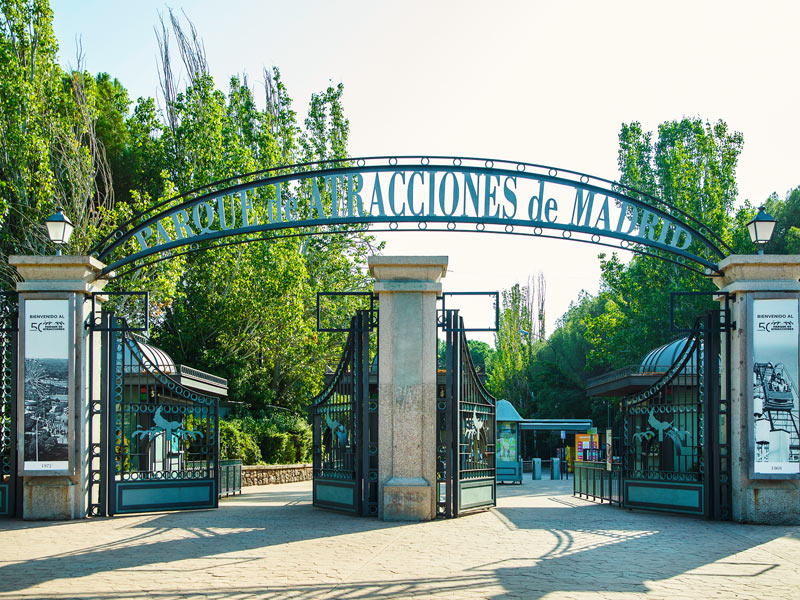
(541, 82)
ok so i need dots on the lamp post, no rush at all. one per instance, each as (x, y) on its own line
(760, 228)
(59, 229)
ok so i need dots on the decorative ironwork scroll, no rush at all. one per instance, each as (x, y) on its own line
(663, 426)
(344, 422)
(414, 193)
(8, 405)
(163, 442)
(465, 449)
(676, 434)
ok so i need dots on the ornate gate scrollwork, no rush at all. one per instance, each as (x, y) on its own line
(465, 449)
(344, 420)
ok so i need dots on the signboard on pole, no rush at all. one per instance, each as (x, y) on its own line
(46, 430)
(609, 449)
(775, 361)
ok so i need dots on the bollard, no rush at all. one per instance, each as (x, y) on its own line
(555, 469)
(536, 469)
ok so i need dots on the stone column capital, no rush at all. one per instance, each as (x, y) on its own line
(408, 273)
(78, 274)
(759, 273)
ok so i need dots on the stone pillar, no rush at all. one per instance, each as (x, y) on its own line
(63, 497)
(407, 288)
(768, 501)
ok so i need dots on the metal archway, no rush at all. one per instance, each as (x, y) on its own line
(412, 193)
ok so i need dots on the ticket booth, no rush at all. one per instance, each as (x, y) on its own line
(509, 462)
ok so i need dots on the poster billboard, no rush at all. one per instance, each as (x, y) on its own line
(46, 436)
(775, 359)
(585, 441)
(507, 441)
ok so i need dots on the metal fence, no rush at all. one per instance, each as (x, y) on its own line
(230, 477)
(593, 481)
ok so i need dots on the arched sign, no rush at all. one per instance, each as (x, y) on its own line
(412, 193)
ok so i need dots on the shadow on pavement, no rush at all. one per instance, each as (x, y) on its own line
(594, 548)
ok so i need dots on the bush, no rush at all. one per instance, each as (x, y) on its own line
(234, 443)
(277, 438)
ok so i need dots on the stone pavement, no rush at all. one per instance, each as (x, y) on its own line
(539, 542)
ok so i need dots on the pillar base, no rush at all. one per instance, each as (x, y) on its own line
(48, 499)
(407, 499)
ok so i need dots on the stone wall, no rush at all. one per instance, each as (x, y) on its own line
(266, 474)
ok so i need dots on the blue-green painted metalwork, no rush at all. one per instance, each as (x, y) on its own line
(676, 434)
(415, 193)
(10, 485)
(344, 424)
(593, 481)
(466, 429)
(163, 437)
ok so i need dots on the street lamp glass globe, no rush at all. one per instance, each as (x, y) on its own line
(761, 227)
(59, 227)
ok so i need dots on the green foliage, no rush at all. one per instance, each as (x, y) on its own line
(510, 376)
(482, 355)
(50, 154)
(786, 236)
(692, 166)
(235, 443)
(278, 437)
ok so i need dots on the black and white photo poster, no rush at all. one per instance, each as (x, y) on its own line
(776, 358)
(46, 386)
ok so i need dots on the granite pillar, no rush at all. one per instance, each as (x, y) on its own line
(755, 499)
(407, 288)
(63, 497)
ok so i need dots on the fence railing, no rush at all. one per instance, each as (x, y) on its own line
(593, 481)
(230, 475)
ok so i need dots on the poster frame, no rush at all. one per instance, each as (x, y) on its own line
(23, 311)
(747, 380)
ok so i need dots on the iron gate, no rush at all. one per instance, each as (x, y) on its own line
(465, 448)
(155, 442)
(10, 484)
(676, 434)
(344, 421)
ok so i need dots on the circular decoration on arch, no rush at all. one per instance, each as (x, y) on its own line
(595, 238)
(520, 167)
(451, 226)
(393, 161)
(552, 172)
(489, 164)
(456, 162)
(509, 228)
(584, 179)
(424, 161)
(480, 226)
(361, 162)
(422, 225)
(566, 234)
(538, 230)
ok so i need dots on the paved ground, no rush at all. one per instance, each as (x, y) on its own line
(539, 542)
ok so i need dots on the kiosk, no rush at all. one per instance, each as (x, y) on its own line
(509, 463)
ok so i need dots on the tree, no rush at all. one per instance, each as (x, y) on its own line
(521, 327)
(692, 166)
(248, 311)
(786, 236)
(50, 154)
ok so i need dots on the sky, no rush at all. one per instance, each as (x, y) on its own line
(540, 82)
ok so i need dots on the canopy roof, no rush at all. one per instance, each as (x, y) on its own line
(505, 412)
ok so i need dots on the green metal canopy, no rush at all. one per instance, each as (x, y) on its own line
(506, 412)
